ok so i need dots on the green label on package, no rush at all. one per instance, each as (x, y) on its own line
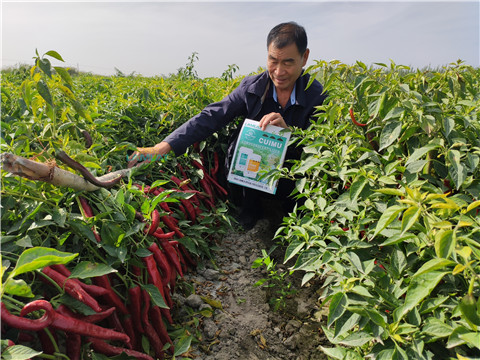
(256, 153)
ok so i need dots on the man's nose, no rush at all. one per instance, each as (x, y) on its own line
(280, 69)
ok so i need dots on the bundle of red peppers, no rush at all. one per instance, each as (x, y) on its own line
(116, 325)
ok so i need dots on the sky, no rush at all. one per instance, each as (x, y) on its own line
(157, 38)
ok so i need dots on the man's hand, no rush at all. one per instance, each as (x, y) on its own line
(148, 153)
(273, 119)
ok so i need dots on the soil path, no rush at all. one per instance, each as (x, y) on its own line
(236, 318)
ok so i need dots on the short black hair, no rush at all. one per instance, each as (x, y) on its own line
(288, 33)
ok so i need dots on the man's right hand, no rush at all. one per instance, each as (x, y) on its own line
(147, 153)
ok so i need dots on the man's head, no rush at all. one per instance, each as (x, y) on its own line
(287, 54)
(288, 33)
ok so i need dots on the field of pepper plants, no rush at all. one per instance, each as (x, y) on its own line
(389, 188)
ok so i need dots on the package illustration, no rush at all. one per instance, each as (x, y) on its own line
(256, 153)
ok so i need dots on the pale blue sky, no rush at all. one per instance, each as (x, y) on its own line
(155, 38)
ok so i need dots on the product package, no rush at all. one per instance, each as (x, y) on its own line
(256, 153)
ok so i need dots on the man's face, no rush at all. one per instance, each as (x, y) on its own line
(285, 65)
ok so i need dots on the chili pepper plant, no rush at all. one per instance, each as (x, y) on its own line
(90, 272)
(388, 211)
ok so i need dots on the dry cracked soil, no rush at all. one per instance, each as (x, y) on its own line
(236, 319)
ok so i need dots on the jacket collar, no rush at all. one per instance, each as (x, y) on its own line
(258, 87)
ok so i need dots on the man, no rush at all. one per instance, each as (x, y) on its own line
(277, 96)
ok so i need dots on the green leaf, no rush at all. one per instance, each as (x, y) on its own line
(44, 92)
(183, 345)
(111, 233)
(432, 265)
(217, 304)
(416, 166)
(18, 288)
(82, 229)
(46, 66)
(19, 352)
(86, 269)
(155, 295)
(473, 205)
(293, 248)
(345, 323)
(410, 217)
(387, 217)
(457, 170)
(418, 153)
(445, 241)
(308, 164)
(448, 125)
(39, 257)
(468, 308)
(398, 238)
(472, 338)
(357, 187)
(390, 133)
(356, 339)
(391, 191)
(55, 55)
(341, 353)
(310, 205)
(336, 308)
(420, 287)
(65, 75)
(436, 327)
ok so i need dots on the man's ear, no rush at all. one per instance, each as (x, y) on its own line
(305, 56)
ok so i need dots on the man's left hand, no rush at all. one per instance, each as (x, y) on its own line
(273, 119)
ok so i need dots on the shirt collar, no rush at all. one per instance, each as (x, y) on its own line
(292, 95)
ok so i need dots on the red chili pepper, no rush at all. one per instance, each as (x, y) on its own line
(172, 256)
(72, 288)
(94, 318)
(73, 346)
(161, 261)
(135, 296)
(209, 178)
(69, 324)
(182, 170)
(87, 210)
(25, 337)
(352, 116)
(172, 280)
(155, 222)
(22, 323)
(105, 348)
(149, 330)
(187, 256)
(216, 165)
(167, 220)
(48, 347)
(190, 210)
(129, 330)
(167, 236)
(183, 264)
(182, 209)
(156, 316)
(165, 207)
(91, 289)
(153, 273)
(207, 188)
(111, 297)
(139, 216)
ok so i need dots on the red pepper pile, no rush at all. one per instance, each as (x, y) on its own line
(123, 322)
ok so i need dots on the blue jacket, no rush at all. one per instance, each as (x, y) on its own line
(251, 99)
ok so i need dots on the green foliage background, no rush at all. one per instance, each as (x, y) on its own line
(389, 215)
